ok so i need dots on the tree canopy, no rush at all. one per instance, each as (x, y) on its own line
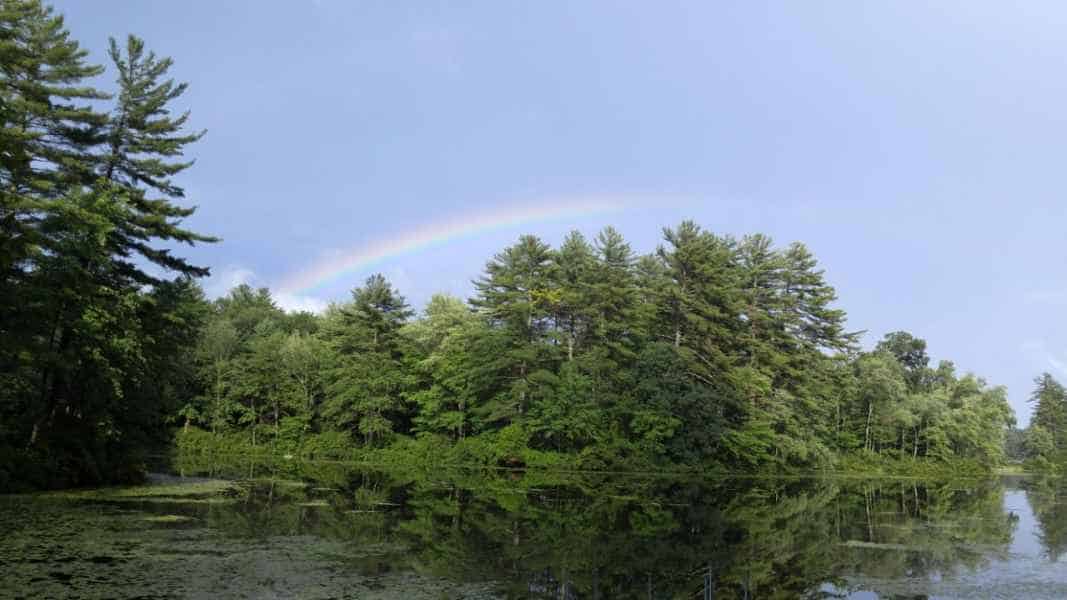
(710, 350)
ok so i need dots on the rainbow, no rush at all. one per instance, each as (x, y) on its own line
(430, 235)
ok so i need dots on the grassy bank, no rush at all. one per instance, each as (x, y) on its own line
(507, 449)
(873, 465)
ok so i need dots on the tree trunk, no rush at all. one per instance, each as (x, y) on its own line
(837, 420)
(218, 397)
(867, 432)
(522, 394)
(48, 379)
(255, 418)
(462, 424)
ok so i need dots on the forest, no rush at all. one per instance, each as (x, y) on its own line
(709, 352)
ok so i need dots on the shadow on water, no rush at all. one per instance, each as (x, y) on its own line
(330, 530)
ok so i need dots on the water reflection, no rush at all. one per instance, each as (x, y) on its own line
(568, 536)
(599, 536)
(1048, 500)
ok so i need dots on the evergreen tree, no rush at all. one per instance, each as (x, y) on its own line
(698, 313)
(144, 147)
(1050, 409)
(619, 327)
(172, 315)
(569, 296)
(80, 317)
(700, 303)
(515, 294)
(48, 128)
(809, 313)
(246, 308)
(365, 379)
(451, 381)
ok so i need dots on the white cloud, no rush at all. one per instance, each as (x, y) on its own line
(225, 279)
(221, 282)
(297, 303)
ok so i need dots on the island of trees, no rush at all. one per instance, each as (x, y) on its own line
(711, 352)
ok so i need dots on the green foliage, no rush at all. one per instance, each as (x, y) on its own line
(711, 354)
(910, 352)
(871, 465)
(365, 378)
(911, 411)
(1050, 415)
(293, 441)
(97, 316)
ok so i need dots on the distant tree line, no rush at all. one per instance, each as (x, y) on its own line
(711, 350)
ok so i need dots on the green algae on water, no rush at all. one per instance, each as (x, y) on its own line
(184, 491)
(169, 519)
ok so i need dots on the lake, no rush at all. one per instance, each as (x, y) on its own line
(329, 530)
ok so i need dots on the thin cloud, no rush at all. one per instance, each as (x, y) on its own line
(1058, 365)
(296, 303)
(1039, 353)
(227, 278)
(222, 281)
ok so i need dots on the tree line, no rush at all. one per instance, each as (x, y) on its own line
(709, 350)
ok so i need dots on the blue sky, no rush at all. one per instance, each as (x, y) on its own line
(917, 148)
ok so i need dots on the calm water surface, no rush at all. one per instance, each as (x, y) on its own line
(336, 531)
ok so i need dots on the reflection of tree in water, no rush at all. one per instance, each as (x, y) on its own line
(1048, 501)
(565, 536)
(596, 539)
(907, 531)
